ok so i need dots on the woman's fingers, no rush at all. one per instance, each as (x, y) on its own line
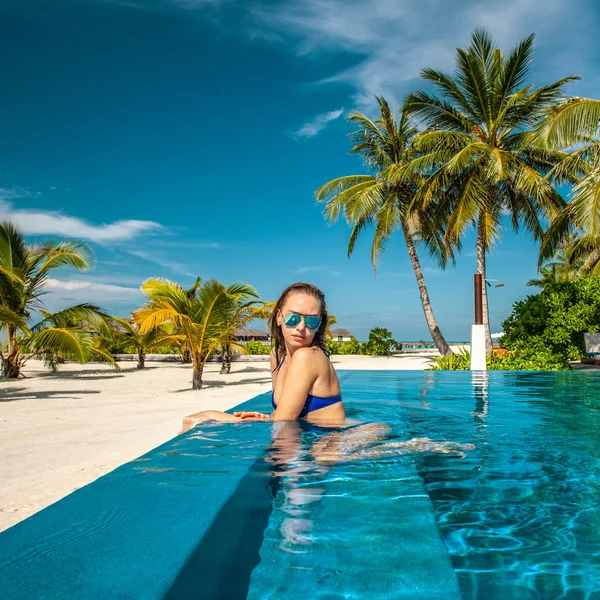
(250, 415)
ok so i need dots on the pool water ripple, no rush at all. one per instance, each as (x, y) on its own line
(230, 511)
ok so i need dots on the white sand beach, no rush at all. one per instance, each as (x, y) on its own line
(59, 432)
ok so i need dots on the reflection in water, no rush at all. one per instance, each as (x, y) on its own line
(298, 458)
(480, 382)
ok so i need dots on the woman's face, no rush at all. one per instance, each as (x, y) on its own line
(299, 335)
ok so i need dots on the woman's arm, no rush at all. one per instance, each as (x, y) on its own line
(300, 377)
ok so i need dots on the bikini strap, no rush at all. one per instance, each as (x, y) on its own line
(279, 365)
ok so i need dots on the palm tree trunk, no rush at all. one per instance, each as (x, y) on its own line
(225, 361)
(10, 363)
(197, 375)
(186, 354)
(436, 334)
(141, 359)
(481, 268)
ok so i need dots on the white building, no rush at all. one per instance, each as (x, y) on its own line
(341, 335)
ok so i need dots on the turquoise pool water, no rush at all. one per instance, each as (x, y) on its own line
(235, 511)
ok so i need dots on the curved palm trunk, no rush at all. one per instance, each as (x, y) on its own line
(436, 334)
(226, 361)
(198, 369)
(141, 363)
(186, 354)
(11, 367)
(481, 269)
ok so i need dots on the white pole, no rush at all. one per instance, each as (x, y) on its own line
(478, 355)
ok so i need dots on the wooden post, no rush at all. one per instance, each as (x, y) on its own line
(478, 299)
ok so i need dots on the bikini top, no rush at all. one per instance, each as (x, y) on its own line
(312, 403)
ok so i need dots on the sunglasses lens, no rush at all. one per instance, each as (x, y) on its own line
(291, 320)
(312, 322)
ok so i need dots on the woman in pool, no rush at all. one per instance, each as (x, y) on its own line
(305, 385)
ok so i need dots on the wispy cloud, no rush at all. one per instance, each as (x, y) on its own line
(38, 222)
(388, 40)
(90, 290)
(318, 123)
(13, 193)
(191, 244)
(163, 261)
(311, 269)
(387, 36)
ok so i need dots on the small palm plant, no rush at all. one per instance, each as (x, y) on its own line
(141, 342)
(68, 334)
(201, 315)
(242, 313)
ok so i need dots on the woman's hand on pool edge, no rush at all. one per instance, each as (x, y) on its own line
(251, 415)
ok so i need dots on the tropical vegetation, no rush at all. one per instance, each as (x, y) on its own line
(203, 317)
(32, 332)
(574, 125)
(480, 156)
(127, 334)
(384, 199)
(555, 320)
(484, 145)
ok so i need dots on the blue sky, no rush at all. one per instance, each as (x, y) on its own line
(187, 137)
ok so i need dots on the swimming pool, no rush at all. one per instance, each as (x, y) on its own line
(226, 511)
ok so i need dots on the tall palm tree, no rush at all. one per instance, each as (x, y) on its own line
(66, 334)
(385, 197)
(481, 160)
(201, 314)
(575, 125)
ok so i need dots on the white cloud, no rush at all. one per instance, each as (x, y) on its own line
(318, 123)
(38, 222)
(311, 269)
(394, 39)
(90, 291)
(12, 194)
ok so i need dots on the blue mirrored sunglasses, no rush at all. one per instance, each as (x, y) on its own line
(311, 321)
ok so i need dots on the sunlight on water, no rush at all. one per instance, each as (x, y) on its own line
(498, 499)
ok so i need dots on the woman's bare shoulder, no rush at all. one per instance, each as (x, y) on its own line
(311, 355)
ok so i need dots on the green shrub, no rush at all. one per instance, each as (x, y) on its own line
(518, 360)
(381, 342)
(255, 347)
(170, 349)
(332, 346)
(460, 361)
(548, 328)
(352, 346)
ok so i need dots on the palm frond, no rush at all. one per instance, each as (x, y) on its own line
(67, 254)
(569, 122)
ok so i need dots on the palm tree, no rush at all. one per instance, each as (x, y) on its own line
(70, 333)
(480, 158)
(242, 313)
(201, 314)
(385, 198)
(142, 342)
(575, 125)
(331, 321)
(562, 266)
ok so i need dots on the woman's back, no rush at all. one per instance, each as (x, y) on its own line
(308, 372)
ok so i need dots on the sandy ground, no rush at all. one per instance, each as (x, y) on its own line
(59, 432)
